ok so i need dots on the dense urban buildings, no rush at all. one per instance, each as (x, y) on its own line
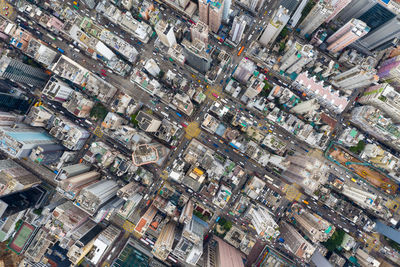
(200, 133)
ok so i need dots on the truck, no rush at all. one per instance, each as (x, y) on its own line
(61, 51)
(179, 115)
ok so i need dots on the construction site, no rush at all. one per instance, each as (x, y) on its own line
(361, 169)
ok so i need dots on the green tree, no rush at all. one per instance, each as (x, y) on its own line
(133, 120)
(284, 32)
(99, 112)
(228, 225)
(222, 221)
(358, 148)
(335, 241)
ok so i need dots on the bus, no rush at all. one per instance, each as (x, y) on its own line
(240, 51)
(51, 37)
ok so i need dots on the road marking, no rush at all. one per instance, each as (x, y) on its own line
(98, 132)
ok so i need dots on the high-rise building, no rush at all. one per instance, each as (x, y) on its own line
(13, 177)
(346, 35)
(22, 200)
(389, 71)
(294, 242)
(263, 222)
(227, 8)
(216, 9)
(238, 26)
(187, 212)
(145, 220)
(203, 11)
(316, 17)
(196, 55)
(338, 5)
(9, 119)
(297, 57)
(194, 230)
(218, 253)
(244, 70)
(376, 123)
(70, 135)
(210, 12)
(356, 77)
(382, 37)
(19, 142)
(81, 247)
(147, 122)
(383, 97)
(199, 31)
(165, 240)
(103, 242)
(38, 116)
(306, 106)
(73, 185)
(256, 86)
(15, 70)
(279, 20)
(57, 90)
(71, 170)
(355, 10)
(315, 227)
(95, 195)
(152, 68)
(377, 16)
(297, 14)
(165, 32)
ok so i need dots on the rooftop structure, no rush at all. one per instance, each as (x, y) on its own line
(244, 70)
(263, 222)
(147, 84)
(196, 55)
(19, 142)
(127, 50)
(220, 253)
(297, 57)
(15, 70)
(199, 31)
(147, 122)
(79, 105)
(376, 123)
(279, 20)
(357, 77)
(315, 227)
(57, 90)
(294, 242)
(93, 196)
(346, 35)
(383, 97)
(103, 242)
(145, 220)
(14, 177)
(163, 245)
(315, 17)
(165, 32)
(71, 135)
(73, 185)
(183, 103)
(324, 94)
(139, 30)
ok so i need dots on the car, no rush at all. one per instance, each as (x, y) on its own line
(184, 124)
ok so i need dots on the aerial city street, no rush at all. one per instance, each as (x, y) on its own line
(199, 133)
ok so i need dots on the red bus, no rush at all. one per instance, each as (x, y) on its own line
(240, 51)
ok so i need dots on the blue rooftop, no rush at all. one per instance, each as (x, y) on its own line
(28, 136)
